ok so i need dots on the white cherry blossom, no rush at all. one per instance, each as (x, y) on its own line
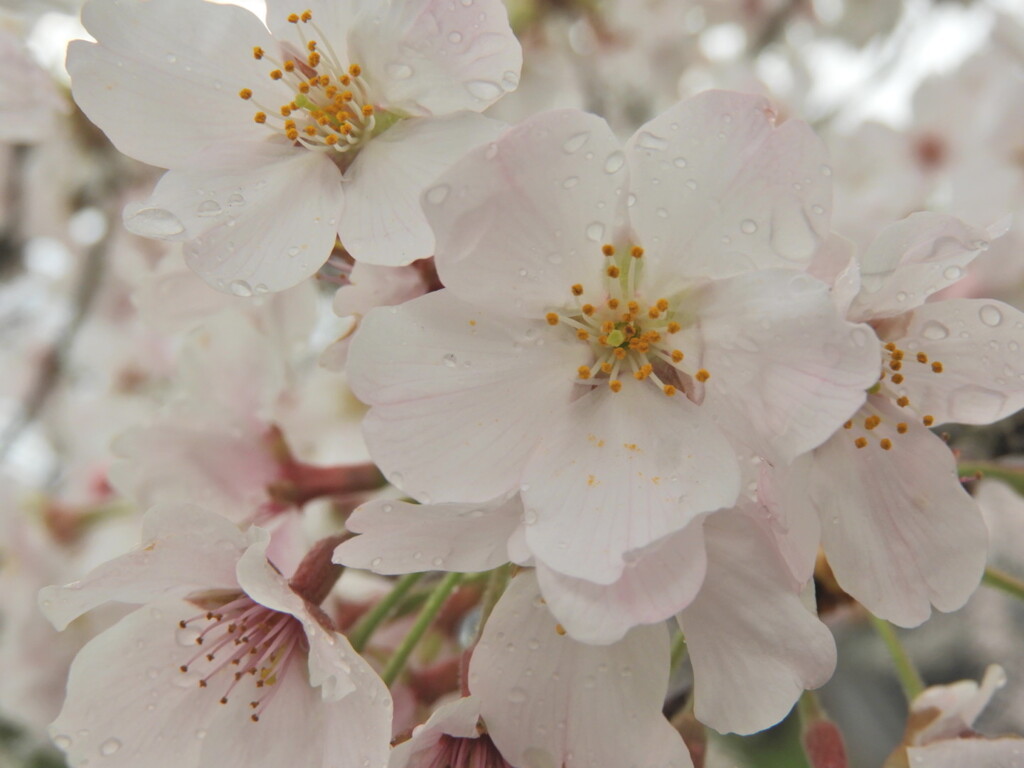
(328, 124)
(613, 322)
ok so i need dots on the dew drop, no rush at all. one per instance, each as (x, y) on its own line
(437, 195)
(990, 315)
(375, 563)
(595, 231)
(934, 330)
(817, 209)
(510, 80)
(240, 288)
(648, 140)
(952, 273)
(662, 213)
(455, 37)
(236, 199)
(901, 296)
(491, 152)
(484, 90)
(186, 636)
(208, 208)
(679, 162)
(172, 59)
(571, 182)
(826, 170)
(109, 747)
(154, 222)
(62, 741)
(575, 142)
(614, 162)
(437, 562)
(399, 71)
(691, 183)
(450, 360)
(748, 226)
(292, 252)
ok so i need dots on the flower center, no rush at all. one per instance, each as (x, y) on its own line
(869, 422)
(242, 644)
(626, 333)
(331, 108)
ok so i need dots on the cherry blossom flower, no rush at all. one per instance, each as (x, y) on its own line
(899, 531)
(330, 123)
(228, 663)
(451, 738)
(603, 343)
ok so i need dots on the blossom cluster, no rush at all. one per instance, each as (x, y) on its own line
(642, 403)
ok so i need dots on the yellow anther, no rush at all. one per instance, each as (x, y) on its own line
(848, 425)
(890, 346)
(614, 385)
(861, 442)
(285, 110)
(588, 309)
(347, 96)
(928, 420)
(311, 45)
(289, 124)
(330, 140)
(902, 427)
(583, 371)
(608, 249)
(245, 93)
(636, 252)
(897, 354)
(674, 327)
(276, 74)
(897, 378)
(355, 70)
(292, 134)
(903, 402)
(345, 128)
(872, 421)
(257, 53)
(367, 110)
(669, 390)
(293, 18)
(702, 375)
(582, 335)
(344, 79)
(613, 303)
(612, 271)
(677, 356)
(922, 357)
(627, 317)
(662, 304)
(260, 117)
(313, 59)
(619, 353)
(324, 81)
(303, 87)
(306, 16)
(559, 629)
(895, 365)
(310, 130)
(577, 290)
(607, 326)
(606, 367)
(886, 444)
(289, 65)
(937, 367)
(602, 340)
(552, 318)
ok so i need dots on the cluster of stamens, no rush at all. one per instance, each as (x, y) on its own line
(869, 419)
(331, 108)
(243, 640)
(627, 336)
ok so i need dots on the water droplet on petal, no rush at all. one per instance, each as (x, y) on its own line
(792, 235)
(952, 273)
(208, 208)
(691, 183)
(595, 231)
(648, 140)
(399, 71)
(990, 315)
(455, 37)
(240, 288)
(236, 199)
(154, 222)
(62, 741)
(450, 360)
(934, 330)
(375, 563)
(292, 252)
(510, 80)
(484, 90)
(575, 142)
(748, 226)
(437, 195)
(109, 747)
(571, 182)
(614, 162)
(826, 170)
(172, 59)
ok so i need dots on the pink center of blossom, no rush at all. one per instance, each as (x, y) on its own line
(244, 649)
(455, 752)
(331, 108)
(627, 333)
(869, 424)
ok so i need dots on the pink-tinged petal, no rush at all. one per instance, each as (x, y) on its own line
(549, 700)
(976, 344)
(785, 511)
(1006, 752)
(460, 398)
(519, 222)
(397, 537)
(658, 581)
(129, 704)
(912, 259)
(754, 646)
(953, 708)
(369, 286)
(456, 718)
(618, 472)
(898, 528)
(721, 190)
(251, 228)
(184, 548)
(329, 26)
(785, 369)
(222, 471)
(836, 265)
(163, 80)
(431, 57)
(383, 222)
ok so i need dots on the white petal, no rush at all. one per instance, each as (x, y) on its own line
(658, 582)
(397, 537)
(333, 18)
(957, 706)
(519, 222)
(549, 700)
(978, 343)
(184, 549)
(720, 190)
(383, 222)
(250, 228)
(1006, 752)
(912, 259)
(163, 80)
(619, 471)
(460, 399)
(785, 369)
(897, 526)
(456, 718)
(754, 646)
(431, 57)
(789, 518)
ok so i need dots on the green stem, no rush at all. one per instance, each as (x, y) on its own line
(430, 610)
(1012, 476)
(678, 651)
(809, 708)
(909, 678)
(1011, 585)
(367, 625)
